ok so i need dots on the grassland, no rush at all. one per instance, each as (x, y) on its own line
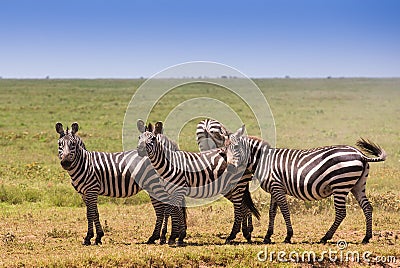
(42, 219)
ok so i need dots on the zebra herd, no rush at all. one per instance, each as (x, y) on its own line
(225, 166)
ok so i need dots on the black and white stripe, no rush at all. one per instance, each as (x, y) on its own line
(311, 174)
(198, 175)
(119, 174)
(210, 135)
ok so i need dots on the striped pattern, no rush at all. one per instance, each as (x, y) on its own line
(198, 175)
(209, 134)
(120, 174)
(308, 175)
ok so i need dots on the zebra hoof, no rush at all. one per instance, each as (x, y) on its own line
(98, 238)
(229, 242)
(323, 241)
(163, 241)
(171, 242)
(248, 238)
(287, 241)
(180, 243)
(150, 241)
(86, 243)
(365, 240)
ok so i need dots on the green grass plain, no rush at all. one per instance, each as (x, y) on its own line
(42, 218)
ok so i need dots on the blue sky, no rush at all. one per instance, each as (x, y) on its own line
(129, 39)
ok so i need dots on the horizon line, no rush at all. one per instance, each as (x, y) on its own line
(199, 77)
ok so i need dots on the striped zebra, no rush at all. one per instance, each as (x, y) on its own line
(311, 174)
(198, 175)
(209, 136)
(119, 174)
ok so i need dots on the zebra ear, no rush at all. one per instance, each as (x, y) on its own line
(158, 129)
(140, 125)
(240, 132)
(74, 128)
(150, 127)
(60, 129)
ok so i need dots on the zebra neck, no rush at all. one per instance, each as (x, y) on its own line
(81, 165)
(159, 157)
(257, 149)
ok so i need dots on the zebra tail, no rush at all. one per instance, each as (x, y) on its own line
(248, 202)
(368, 147)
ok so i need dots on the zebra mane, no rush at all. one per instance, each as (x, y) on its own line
(168, 143)
(263, 142)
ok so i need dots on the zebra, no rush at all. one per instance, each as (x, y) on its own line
(209, 135)
(110, 174)
(198, 175)
(311, 174)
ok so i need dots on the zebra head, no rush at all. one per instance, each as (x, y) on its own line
(147, 138)
(68, 145)
(236, 152)
(211, 134)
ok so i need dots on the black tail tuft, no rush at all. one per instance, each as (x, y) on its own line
(371, 148)
(248, 202)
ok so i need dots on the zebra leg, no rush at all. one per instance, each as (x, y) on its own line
(183, 223)
(236, 196)
(272, 213)
(339, 199)
(99, 229)
(178, 219)
(92, 215)
(90, 232)
(278, 193)
(241, 200)
(175, 216)
(248, 210)
(247, 223)
(167, 214)
(236, 224)
(359, 193)
(159, 208)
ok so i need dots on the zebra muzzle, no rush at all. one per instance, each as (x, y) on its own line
(141, 152)
(66, 163)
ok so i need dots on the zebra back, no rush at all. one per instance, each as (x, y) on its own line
(210, 134)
